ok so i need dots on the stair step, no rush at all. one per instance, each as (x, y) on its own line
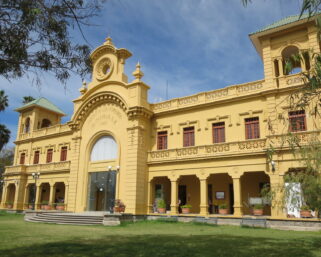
(296, 228)
(65, 223)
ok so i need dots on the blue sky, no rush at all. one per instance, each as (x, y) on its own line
(193, 45)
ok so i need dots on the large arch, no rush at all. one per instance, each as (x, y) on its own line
(105, 148)
(91, 103)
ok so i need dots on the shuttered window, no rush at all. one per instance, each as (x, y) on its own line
(162, 140)
(63, 154)
(49, 155)
(297, 121)
(22, 158)
(218, 132)
(252, 128)
(188, 137)
(36, 157)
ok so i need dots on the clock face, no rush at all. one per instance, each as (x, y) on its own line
(104, 68)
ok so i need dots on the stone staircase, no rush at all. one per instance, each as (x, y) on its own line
(64, 218)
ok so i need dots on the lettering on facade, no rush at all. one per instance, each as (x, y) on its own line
(216, 94)
(247, 88)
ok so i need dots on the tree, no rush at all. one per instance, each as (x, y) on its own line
(35, 37)
(4, 132)
(27, 99)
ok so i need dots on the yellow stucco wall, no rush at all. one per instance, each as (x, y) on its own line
(110, 105)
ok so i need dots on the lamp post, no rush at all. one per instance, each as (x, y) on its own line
(35, 176)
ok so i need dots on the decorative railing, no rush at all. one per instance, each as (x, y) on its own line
(289, 80)
(46, 167)
(53, 166)
(208, 151)
(45, 131)
(209, 97)
(15, 169)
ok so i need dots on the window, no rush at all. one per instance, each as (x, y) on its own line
(36, 157)
(49, 155)
(45, 123)
(252, 128)
(291, 64)
(297, 121)
(27, 125)
(63, 154)
(188, 137)
(218, 132)
(105, 148)
(162, 140)
(22, 158)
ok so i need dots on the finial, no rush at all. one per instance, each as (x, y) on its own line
(83, 89)
(108, 41)
(138, 74)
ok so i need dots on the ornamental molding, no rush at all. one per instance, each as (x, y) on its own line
(139, 112)
(91, 104)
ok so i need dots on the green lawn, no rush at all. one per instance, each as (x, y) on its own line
(150, 238)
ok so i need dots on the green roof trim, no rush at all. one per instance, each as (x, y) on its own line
(43, 103)
(284, 21)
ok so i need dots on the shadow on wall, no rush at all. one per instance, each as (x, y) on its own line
(168, 245)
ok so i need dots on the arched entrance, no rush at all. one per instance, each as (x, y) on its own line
(102, 183)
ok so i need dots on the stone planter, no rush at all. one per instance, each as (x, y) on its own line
(30, 206)
(161, 210)
(257, 212)
(223, 211)
(306, 214)
(60, 207)
(46, 207)
(186, 210)
(9, 206)
(119, 209)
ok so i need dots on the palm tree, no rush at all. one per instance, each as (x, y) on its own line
(27, 99)
(4, 135)
(3, 101)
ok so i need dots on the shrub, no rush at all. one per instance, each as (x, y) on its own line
(258, 207)
(161, 203)
(186, 206)
(222, 206)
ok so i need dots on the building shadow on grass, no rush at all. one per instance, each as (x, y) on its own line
(165, 245)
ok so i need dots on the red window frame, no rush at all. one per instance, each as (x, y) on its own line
(36, 157)
(188, 137)
(22, 158)
(297, 121)
(63, 153)
(161, 140)
(49, 155)
(252, 128)
(218, 132)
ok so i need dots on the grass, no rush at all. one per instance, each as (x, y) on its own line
(150, 238)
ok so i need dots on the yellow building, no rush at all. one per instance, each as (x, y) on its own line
(205, 150)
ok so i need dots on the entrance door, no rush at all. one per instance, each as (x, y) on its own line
(101, 193)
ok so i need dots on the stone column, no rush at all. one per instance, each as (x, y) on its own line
(174, 197)
(66, 196)
(4, 196)
(150, 197)
(52, 194)
(38, 197)
(237, 196)
(204, 200)
(281, 68)
(26, 197)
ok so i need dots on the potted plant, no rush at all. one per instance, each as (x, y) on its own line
(60, 206)
(222, 209)
(9, 204)
(30, 206)
(119, 206)
(258, 209)
(305, 211)
(45, 206)
(161, 206)
(186, 209)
